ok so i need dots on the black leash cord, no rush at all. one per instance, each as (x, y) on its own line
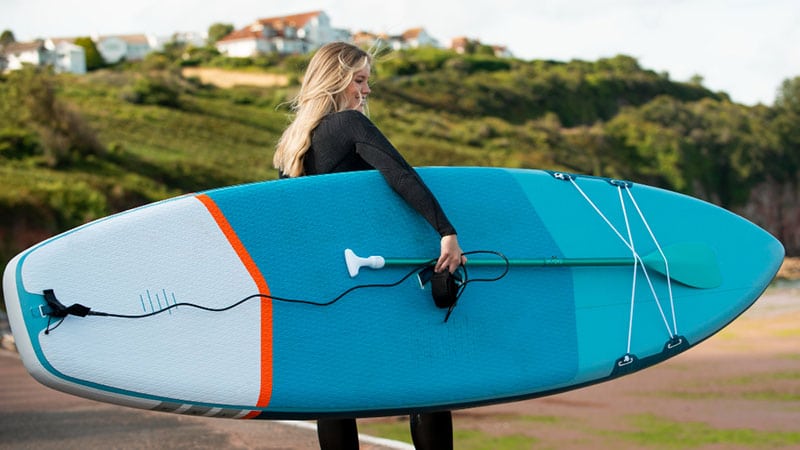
(466, 280)
(58, 309)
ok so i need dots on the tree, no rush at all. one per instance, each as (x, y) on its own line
(696, 80)
(786, 124)
(94, 60)
(6, 37)
(218, 31)
(788, 97)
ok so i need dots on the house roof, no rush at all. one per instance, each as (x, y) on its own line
(58, 40)
(364, 37)
(278, 24)
(128, 38)
(412, 33)
(244, 33)
(294, 20)
(21, 47)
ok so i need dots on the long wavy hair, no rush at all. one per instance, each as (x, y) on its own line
(329, 73)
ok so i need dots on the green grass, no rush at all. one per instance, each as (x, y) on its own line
(787, 333)
(225, 141)
(463, 438)
(477, 440)
(396, 430)
(657, 432)
(772, 387)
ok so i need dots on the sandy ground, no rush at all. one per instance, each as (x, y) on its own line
(228, 78)
(747, 377)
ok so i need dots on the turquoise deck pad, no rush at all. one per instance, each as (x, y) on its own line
(396, 335)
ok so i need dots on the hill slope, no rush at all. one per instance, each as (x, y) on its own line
(73, 149)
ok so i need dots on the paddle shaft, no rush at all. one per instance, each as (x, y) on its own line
(691, 264)
(536, 262)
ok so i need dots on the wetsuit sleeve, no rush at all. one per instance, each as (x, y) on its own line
(373, 147)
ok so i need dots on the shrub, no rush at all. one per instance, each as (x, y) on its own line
(153, 90)
(18, 143)
(40, 123)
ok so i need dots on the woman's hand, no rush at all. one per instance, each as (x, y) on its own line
(451, 255)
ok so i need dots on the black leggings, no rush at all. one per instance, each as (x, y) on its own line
(429, 431)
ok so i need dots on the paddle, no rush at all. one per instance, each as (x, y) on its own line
(691, 264)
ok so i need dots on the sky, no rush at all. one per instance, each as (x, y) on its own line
(745, 48)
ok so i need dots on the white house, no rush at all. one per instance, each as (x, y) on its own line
(66, 56)
(418, 37)
(62, 54)
(298, 33)
(192, 38)
(462, 44)
(130, 47)
(302, 33)
(17, 54)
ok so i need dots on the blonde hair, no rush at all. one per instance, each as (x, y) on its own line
(329, 73)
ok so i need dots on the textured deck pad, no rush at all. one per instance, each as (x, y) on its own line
(390, 343)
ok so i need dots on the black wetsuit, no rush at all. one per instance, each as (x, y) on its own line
(348, 141)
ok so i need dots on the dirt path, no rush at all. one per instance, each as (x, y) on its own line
(228, 78)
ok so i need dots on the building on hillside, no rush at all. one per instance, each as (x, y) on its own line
(501, 51)
(302, 33)
(62, 54)
(418, 37)
(128, 47)
(297, 33)
(185, 37)
(66, 56)
(464, 45)
(412, 38)
(365, 39)
(17, 54)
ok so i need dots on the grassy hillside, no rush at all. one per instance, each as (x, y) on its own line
(76, 148)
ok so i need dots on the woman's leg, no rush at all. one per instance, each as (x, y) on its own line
(432, 431)
(337, 434)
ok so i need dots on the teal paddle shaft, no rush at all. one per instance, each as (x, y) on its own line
(537, 262)
(691, 264)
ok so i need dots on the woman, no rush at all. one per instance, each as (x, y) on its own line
(331, 133)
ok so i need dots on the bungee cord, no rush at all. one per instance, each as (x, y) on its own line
(629, 243)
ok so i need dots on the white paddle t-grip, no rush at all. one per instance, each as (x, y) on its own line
(355, 262)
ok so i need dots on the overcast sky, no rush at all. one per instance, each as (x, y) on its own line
(746, 48)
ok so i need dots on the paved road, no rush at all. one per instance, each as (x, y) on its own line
(33, 416)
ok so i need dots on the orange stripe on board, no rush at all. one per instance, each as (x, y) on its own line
(265, 391)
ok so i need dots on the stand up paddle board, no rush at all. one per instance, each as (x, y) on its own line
(310, 297)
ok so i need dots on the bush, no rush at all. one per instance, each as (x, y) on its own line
(73, 203)
(38, 122)
(153, 90)
(18, 143)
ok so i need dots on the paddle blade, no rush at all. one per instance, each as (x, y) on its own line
(692, 264)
